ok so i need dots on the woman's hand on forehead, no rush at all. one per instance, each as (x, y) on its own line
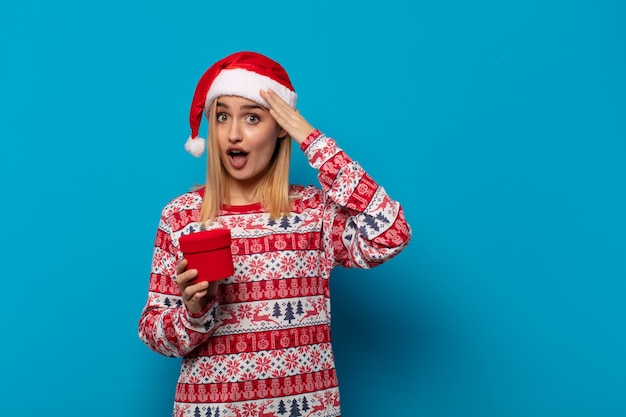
(289, 119)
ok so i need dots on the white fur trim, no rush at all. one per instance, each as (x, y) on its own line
(195, 146)
(246, 84)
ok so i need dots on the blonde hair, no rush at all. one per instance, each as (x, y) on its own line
(273, 189)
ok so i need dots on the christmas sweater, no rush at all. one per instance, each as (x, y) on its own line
(262, 347)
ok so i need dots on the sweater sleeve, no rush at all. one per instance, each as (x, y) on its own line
(165, 325)
(363, 226)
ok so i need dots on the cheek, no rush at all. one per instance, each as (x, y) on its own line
(263, 132)
(272, 145)
(267, 140)
(221, 136)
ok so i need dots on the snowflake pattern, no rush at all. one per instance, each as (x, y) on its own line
(263, 347)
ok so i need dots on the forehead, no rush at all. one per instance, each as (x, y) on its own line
(236, 102)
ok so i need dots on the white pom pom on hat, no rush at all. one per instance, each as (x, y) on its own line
(195, 146)
(241, 74)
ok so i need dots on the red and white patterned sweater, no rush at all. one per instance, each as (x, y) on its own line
(263, 347)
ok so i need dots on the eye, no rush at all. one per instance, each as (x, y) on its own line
(221, 117)
(252, 119)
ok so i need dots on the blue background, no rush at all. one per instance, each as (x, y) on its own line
(500, 126)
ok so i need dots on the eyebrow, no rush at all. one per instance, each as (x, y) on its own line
(245, 106)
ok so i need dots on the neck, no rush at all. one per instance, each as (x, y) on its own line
(241, 194)
(242, 200)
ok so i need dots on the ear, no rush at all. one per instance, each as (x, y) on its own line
(282, 134)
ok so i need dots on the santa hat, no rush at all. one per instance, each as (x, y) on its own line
(241, 74)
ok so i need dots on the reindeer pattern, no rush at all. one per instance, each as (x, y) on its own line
(263, 347)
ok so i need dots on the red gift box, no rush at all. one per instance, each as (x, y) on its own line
(208, 251)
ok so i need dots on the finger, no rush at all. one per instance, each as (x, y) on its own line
(191, 291)
(284, 112)
(181, 266)
(185, 278)
(286, 118)
(297, 127)
(199, 295)
(276, 102)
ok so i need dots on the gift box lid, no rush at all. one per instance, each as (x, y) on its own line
(205, 240)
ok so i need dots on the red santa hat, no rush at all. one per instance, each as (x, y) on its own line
(241, 74)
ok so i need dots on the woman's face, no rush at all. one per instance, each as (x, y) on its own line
(247, 135)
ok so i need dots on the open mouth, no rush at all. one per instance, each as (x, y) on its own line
(235, 154)
(238, 158)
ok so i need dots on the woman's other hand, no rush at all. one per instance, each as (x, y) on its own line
(196, 295)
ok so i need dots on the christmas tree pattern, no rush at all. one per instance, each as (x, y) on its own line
(295, 410)
(284, 223)
(299, 309)
(316, 305)
(289, 313)
(279, 294)
(277, 312)
(305, 404)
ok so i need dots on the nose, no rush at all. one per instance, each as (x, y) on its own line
(234, 132)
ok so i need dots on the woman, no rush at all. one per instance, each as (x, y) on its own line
(258, 343)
